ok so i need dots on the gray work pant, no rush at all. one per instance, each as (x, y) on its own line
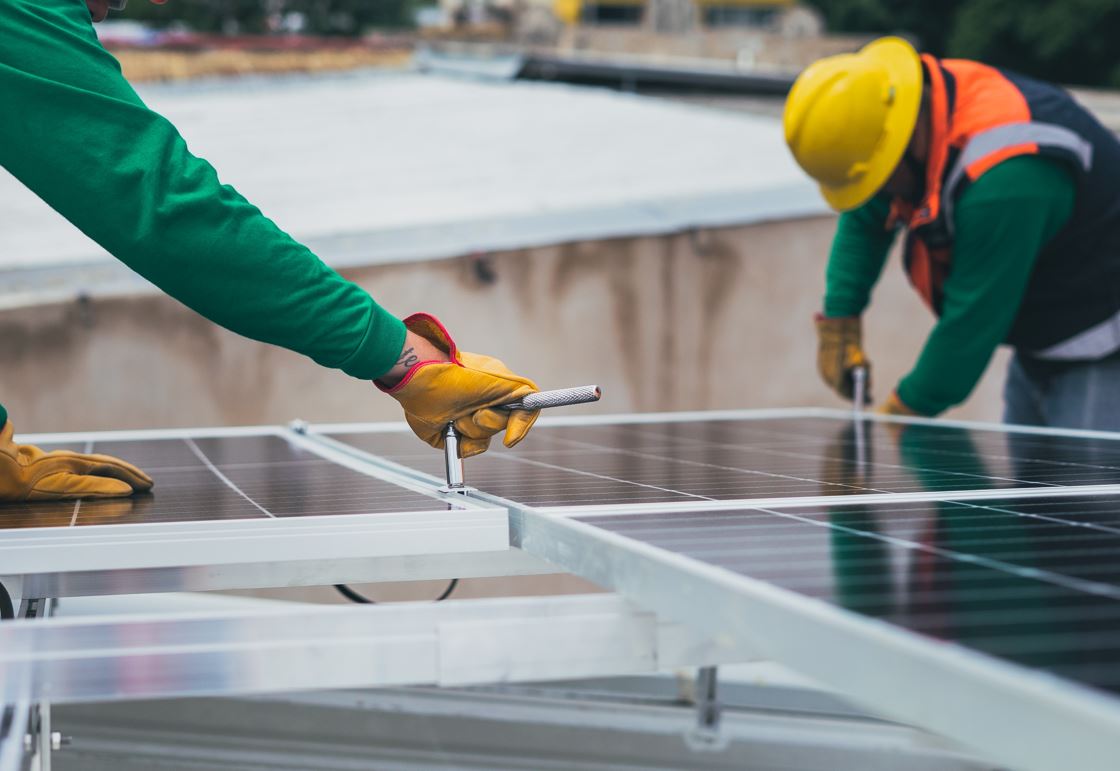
(1082, 394)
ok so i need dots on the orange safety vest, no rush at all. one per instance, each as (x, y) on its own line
(980, 116)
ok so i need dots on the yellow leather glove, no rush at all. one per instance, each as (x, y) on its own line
(435, 393)
(839, 351)
(894, 406)
(30, 474)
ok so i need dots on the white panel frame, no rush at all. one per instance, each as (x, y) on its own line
(299, 647)
(268, 575)
(174, 544)
(627, 509)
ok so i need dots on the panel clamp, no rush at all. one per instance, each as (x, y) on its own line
(453, 463)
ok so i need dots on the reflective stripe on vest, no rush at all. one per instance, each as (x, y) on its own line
(980, 117)
(984, 150)
(987, 148)
(1094, 343)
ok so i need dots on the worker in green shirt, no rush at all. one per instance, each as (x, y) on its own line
(1007, 192)
(75, 133)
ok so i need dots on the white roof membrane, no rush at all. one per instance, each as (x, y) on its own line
(370, 168)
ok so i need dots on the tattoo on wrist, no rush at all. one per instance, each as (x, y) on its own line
(408, 358)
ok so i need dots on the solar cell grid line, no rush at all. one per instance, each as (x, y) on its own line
(87, 449)
(584, 447)
(934, 453)
(1065, 519)
(877, 465)
(1058, 579)
(602, 477)
(225, 480)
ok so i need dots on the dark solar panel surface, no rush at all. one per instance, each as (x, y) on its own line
(1032, 580)
(1035, 581)
(766, 458)
(244, 477)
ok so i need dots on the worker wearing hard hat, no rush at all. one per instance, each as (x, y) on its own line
(75, 133)
(1008, 192)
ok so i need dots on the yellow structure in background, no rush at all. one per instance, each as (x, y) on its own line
(568, 11)
(574, 11)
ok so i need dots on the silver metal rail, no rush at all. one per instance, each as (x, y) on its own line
(304, 647)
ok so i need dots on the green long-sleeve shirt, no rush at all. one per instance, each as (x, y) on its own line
(1002, 221)
(73, 130)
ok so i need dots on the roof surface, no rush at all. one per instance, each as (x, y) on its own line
(373, 167)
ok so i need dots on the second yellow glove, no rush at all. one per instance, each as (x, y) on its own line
(30, 474)
(895, 406)
(839, 351)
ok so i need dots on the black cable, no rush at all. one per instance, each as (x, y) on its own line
(447, 592)
(353, 596)
(7, 610)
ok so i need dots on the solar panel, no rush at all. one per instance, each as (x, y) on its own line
(241, 497)
(673, 461)
(221, 478)
(1036, 582)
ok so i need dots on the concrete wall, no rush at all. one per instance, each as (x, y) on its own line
(711, 319)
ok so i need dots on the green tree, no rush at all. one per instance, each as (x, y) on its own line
(926, 27)
(244, 16)
(1073, 41)
(323, 17)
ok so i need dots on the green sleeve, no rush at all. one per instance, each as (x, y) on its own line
(76, 134)
(859, 251)
(3, 416)
(1002, 222)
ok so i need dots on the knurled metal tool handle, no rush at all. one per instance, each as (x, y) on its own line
(561, 397)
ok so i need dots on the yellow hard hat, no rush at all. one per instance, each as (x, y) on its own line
(848, 118)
